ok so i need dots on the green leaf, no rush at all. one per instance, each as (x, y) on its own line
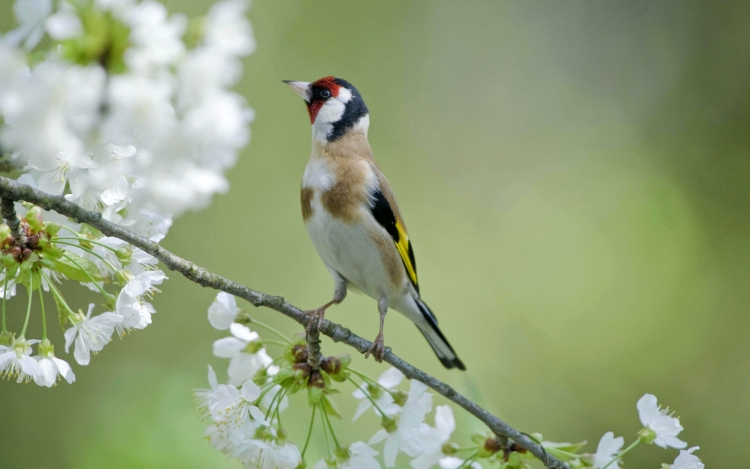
(66, 265)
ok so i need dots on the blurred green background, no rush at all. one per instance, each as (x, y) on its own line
(575, 179)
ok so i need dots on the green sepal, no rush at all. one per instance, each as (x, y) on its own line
(34, 219)
(330, 408)
(9, 262)
(52, 228)
(314, 395)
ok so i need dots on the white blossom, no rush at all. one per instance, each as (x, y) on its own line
(205, 398)
(230, 347)
(15, 360)
(223, 311)
(245, 365)
(655, 418)
(267, 454)
(64, 24)
(360, 456)
(687, 460)
(90, 334)
(434, 438)
(232, 406)
(31, 15)
(406, 436)
(50, 368)
(156, 38)
(452, 462)
(608, 448)
(389, 379)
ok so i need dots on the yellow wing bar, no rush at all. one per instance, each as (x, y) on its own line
(407, 254)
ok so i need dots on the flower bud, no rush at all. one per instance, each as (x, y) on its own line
(4, 231)
(316, 380)
(301, 372)
(299, 353)
(34, 219)
(489, 447)
(51, 228)
(6, 338)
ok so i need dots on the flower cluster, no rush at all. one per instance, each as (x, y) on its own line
(659, 428)
(126, 111)
(246, 412)
(49, 253)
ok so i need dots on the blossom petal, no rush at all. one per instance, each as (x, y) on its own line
(391, 378)
(648, 410)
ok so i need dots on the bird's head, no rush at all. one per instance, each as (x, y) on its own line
(334, 106)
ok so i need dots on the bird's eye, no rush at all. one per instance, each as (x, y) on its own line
(325, 94)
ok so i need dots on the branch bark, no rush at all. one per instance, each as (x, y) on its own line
(10, 189)
(8, 210)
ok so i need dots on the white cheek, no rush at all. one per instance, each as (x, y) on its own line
(331, 111)
(344, 95)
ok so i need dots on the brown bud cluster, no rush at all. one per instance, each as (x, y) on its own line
(331, 365)
(33, 238)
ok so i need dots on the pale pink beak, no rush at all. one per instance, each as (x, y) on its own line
(302, 88)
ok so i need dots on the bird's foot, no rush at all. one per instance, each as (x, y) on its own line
(316, 315)
(377, 349)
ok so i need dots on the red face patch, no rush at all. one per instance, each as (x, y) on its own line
(316, 99)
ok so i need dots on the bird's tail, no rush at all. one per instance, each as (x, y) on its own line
(436, 339)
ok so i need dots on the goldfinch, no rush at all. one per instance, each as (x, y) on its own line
(352, 217)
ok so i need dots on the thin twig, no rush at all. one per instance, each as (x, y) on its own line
(11, 219)
(13, 190)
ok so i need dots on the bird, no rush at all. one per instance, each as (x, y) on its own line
(353, 219)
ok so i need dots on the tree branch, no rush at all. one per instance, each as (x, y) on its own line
(11, 189)
(8, 211)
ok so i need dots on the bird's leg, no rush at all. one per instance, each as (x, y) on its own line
(318, 314)
(377, 349)
(338, 296)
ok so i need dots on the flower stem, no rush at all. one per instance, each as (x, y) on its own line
(270, 329)
(270, 341)
(278, 407)
(273, 401)
(60, 300)
(328, 420)
(28, 308)
(368, 396)
(114, 269)
(44, 317)
(5, 295)
(623, 453)
(309, 431)
(325, 428)
(85, 240)
(466, 462)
